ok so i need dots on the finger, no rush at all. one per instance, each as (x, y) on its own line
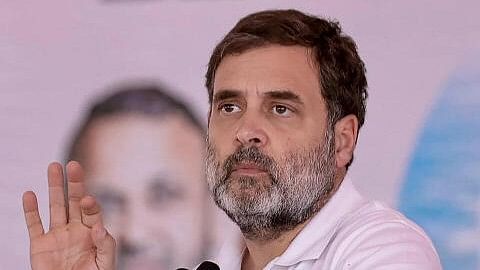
(76, 190)
(56, 195)
(105, 247)
(32, 217)
(91, 211)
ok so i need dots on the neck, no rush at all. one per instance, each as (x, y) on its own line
(260, 252)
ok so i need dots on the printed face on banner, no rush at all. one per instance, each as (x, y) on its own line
(147, 172)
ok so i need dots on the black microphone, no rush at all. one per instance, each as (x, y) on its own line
(208, 265)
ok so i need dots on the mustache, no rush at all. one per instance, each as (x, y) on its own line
(249, 154)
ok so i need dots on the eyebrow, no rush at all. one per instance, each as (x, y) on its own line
(274, 94)
(284, 95)
(225, 94)
(104, 194)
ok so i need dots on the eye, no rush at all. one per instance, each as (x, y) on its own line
(161, 193)
(111, 202)
(281, 110)
(229, 108)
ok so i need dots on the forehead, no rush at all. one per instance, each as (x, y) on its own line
(131, 128)
(135, 144)
(268, 68)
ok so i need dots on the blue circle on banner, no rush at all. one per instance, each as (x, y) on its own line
(442, 185)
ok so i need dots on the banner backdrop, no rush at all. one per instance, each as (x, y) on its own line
(418, 150)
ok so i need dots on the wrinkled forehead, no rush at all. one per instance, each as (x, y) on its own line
(267, 69)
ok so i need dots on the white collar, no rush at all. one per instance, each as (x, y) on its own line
(312, 240)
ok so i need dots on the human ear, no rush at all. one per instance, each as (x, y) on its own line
(346, 131)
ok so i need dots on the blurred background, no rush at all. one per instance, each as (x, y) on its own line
(68, 70)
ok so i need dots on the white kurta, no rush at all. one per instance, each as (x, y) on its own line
(349, 233)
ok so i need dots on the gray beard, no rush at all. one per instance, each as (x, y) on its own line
(291, 192)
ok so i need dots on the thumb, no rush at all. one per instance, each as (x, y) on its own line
(105, 245)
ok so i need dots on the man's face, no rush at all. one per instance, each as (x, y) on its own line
(270, 163)
(147, 173)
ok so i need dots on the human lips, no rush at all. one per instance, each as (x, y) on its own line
(248, 169)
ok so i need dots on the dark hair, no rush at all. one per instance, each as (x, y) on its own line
(341, 71)
(143, 99)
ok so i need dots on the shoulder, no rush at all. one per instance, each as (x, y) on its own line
(378, 237)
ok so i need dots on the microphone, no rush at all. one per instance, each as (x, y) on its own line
(206, 265)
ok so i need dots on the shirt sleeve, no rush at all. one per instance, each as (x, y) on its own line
(392, 245)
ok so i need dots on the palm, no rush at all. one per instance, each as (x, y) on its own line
(69, 247)
(74, 242)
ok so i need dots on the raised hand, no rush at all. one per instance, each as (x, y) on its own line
(76, 239)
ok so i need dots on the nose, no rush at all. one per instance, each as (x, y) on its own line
(135, 233)
(251, 132)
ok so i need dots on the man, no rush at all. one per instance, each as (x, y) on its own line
(287, 94)
(133, 145)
